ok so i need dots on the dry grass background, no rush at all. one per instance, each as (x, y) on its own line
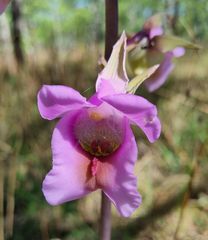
(172, 172)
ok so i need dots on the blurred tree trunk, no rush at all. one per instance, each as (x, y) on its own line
(175, 16)
(16, 31)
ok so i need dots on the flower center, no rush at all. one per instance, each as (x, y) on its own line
(97, 134)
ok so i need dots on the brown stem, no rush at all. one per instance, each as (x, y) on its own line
(111, 28)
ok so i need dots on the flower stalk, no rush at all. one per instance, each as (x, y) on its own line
(105, 223)
(111, 26)
(111, 35)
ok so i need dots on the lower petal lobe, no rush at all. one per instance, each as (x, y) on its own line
(69, 178)
(116, 177)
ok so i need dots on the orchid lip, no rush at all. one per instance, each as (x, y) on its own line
(100, 136)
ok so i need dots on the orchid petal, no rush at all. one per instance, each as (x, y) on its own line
(155, 31)
(105, 88)
(139, 110)
(3, 5)
(116, 177)
(158, 78)
(54, 101)
(178, 52)
(68, 178)
(115, 71)
(95, 100)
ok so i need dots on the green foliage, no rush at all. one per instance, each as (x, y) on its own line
(61, 24)
(193, 16)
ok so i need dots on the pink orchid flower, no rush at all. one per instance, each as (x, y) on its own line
(3, 5)
(151, 37)
(92, 144)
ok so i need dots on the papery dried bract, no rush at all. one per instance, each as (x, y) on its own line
(115, 71)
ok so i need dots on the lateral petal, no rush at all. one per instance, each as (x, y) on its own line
(56, 100)
(139, 110)
(158, 78)
(70, 176)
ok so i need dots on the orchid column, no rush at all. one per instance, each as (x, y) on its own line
(111, 35)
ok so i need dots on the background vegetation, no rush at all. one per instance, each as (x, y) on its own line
(59, 42)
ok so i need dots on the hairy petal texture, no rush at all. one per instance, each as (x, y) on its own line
(140, 111)
(3, 5)
(54, 101)
(68, 179)
(115, 176)
(158, 78)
